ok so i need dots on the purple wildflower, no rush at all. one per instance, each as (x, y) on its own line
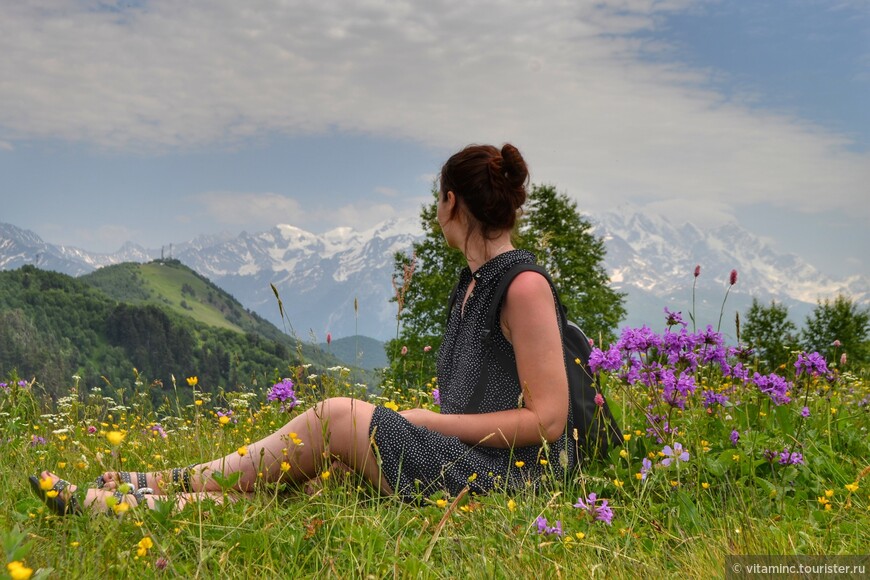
(805, 412)
(732, 279)
(711, 398)
(638, 340)
(228, 414)
(91, 429)
(790, 458)
(599, 399)
(697, 270)
(645, 468)
(607, 361)
(36, 440)
(156, 430)
(436, 396)
(5, 387)
(283, 392)
(674, 318)
(811, 364)
(734, 437)
(600, 512)
(774, 386)
(677, 454)
(547, 530)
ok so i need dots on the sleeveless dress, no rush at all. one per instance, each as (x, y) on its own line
(418, 462)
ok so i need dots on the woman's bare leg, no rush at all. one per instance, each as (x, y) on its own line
(335, 429)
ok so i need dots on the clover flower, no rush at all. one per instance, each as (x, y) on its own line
(436, 396)
(283, 392)
(677, 453)
(599, 512)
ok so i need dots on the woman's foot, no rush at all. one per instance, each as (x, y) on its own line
(162, 482)
(63, 498)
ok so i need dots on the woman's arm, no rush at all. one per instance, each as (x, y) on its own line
(529, 321)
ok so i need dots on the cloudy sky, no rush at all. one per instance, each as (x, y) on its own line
(157, 121)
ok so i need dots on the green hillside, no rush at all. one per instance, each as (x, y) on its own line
(361, 351)
(161, 319)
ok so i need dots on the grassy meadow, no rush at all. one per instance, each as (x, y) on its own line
(717, 460)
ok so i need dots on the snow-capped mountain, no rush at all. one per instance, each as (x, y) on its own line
(320, 277)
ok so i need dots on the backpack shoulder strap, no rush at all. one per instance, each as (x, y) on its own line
(491, 322)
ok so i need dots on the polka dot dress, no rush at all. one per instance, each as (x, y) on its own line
(418, 462)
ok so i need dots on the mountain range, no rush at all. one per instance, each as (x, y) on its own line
(340, 282)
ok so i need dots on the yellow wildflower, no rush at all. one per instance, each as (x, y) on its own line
(114, 437)
(285, 467)
(735, 457)
(544, 462)
(705, 485)
(852, 487)
(45, 483)
(120, 508)
(512, 505)
(61, 464)
(223, 419)
(580, 535)
(198, 402)
(618, 482)
(626, 437)
(519, 464)
(472, 477)
(833, 410)
(829, 493)
(52, 493)
(623, 453)
(144, 545)
(325, 475)
(18, 571)
(192, 381)
(242, 451)
(441, 503)
(392, 406)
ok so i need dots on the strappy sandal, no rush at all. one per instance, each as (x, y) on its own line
(179, 476)
(57, 504)
(70, 505)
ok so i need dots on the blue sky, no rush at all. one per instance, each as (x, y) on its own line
(155, 121)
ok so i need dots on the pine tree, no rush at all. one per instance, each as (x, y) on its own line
(768, 330)
(838, 326)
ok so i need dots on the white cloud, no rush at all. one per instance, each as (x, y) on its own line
(564, 81)
(249, 210)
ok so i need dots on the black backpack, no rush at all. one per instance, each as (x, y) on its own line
(591, 429)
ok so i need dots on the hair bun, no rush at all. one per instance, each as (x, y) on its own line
(514, 166)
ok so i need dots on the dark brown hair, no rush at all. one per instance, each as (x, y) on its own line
(489, 183)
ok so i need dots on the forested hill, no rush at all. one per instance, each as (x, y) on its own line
(160, 318)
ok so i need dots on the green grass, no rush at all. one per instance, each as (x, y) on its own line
(681, 521)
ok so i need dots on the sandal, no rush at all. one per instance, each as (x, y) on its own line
(70, 505)
(56, 504)
(179, 476)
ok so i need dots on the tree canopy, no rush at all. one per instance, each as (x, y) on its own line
(552, 227)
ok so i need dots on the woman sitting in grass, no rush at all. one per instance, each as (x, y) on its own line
(520, 420)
